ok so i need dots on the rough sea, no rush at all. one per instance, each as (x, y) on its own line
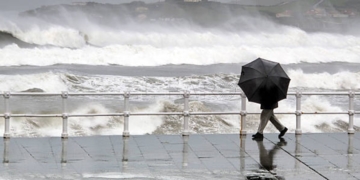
(99, 47)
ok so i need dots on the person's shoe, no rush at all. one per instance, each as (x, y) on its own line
(258, 136)
(282, 133)
(282, 142)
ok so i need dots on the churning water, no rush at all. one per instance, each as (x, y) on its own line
(98, 47)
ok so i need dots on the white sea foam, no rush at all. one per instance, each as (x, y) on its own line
(313, 122)
(339, 81)
(54, 35)
(87, 126)
(38, 32)
(79, 126)
(115, 175)
(74, 38)
(30, 127)
(58, 81)
(193, 50)
(113, 125)
(310, 123)
(160, 46)
(48, 82)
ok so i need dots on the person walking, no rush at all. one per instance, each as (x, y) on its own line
(265, 82)
(267, 114)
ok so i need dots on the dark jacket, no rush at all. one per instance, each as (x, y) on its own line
(266, 105)
(269, 98)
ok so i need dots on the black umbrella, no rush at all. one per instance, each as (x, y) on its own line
(264, 81)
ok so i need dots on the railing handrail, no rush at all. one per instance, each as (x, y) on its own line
(186, 113)
(160, 93)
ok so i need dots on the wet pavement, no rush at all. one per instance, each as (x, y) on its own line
(220, 156)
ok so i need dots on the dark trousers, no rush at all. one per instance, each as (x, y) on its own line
(266, 115)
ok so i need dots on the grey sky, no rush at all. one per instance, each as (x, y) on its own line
(23, 5)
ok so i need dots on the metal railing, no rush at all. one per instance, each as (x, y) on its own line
(185, 113)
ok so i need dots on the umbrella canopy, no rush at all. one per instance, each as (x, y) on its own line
(264, 81)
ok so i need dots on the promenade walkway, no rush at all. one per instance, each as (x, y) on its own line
(174, 157)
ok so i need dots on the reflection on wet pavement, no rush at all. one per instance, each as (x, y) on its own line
(225, 156)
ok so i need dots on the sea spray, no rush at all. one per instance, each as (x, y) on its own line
(89, 48)
(198, 123)
(338, 81)
(73, 82)
(173, 124)
(47, 82)
(129, 45)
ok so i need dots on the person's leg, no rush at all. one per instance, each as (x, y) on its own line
(264, 119)
(275, 121)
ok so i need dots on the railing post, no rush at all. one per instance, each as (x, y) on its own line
(6, 152)
(126, 114)
(298, 113)
(64, 151)
(64, 96)
(298, 150)
(185, 152)
(186, 114)
(351, 113)
(125, 152)
(350, 151)
(243, 115)
(7, 114)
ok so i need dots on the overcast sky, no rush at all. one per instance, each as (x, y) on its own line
(23, 5)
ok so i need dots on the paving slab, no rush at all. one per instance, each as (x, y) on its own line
(198, 156)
